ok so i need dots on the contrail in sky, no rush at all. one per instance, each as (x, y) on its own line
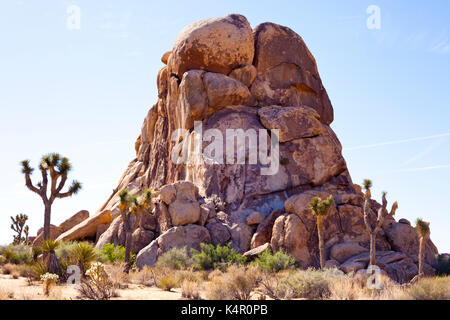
(387, 143)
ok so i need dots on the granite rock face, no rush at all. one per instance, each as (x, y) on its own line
(220, 76)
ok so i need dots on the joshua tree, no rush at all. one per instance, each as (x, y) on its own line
(423, 228)
(382, 215)
(54, 170)
(320, 209)
(26, 231)
(18, 226)
(132, 205)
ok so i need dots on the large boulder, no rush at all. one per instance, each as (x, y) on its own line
(87, 228)
(293, 122)
(77, 218)
(245, 74)
(404, 238)
(264, 232)
(287, 71)
(188, 237)
(216, 45)
(184, 209)
(224, 91)
(140, 239)
(220, 233)
(343, 251)
(290, 235)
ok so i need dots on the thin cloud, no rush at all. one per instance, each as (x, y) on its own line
(387, 143)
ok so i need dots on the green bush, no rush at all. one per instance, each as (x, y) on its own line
(276, 262)
(443, 265)
(16, 254)
(175, 259)
(112, 253)
(215, 257)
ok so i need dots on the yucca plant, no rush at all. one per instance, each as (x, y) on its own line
(383, 214)
(83, 254)
(423, 229)
(320, 208)
(50, 258)
(54, 170)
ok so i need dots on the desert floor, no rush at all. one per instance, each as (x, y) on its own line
(20, 289)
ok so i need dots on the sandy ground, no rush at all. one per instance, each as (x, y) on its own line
(20, 289)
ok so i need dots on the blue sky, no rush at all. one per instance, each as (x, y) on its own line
(85, 93)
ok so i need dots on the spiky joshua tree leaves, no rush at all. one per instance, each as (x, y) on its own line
(19, 226)
(132, 205)
(423, 229)
(320, 208)
(54, 170)
(383, 214)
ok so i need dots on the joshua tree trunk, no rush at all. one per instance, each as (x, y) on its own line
(47, 217)
(128, 240)
(421, 255)
(321, 245)
(373, 249)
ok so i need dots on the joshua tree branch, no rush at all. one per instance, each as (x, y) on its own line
(30, 185)
(64, 195)
(62, 182)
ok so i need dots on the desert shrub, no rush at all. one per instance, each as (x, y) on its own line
(443, 265)
(307, 284)
(112, 253)
(8, 268)
(214, 274)
(175, 259)
(143, 276)
(238, 283)
(16, 254)
(168, 282)
(188, 275)
(2, 260)
(437, 288)
(215, 257)
(118, 277)
(98, 285)
(190, 290)
(274, 262)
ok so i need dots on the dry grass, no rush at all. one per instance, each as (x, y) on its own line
(119, 279)
(143, 277)
(238, 283)
(191, 290)
(437, 288)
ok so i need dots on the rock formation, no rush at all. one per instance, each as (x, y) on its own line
(225, 75)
